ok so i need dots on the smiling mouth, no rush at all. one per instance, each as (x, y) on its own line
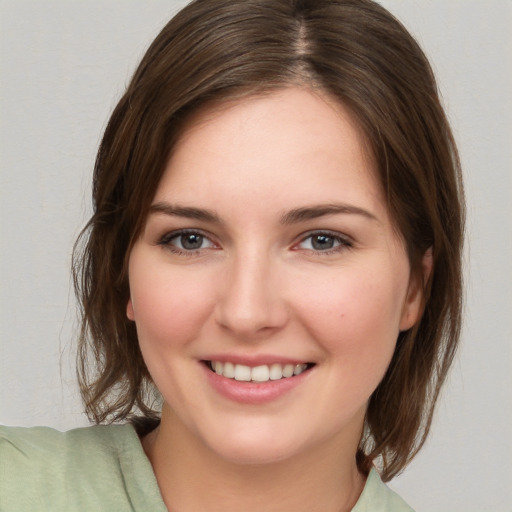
(262, 373)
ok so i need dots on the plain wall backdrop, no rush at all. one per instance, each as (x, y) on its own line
(64, 64)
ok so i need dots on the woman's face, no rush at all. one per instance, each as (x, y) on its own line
(269, 250)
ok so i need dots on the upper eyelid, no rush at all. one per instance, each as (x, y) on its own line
(328, 232)
(169, 235)
(165, 242)
(344, 243)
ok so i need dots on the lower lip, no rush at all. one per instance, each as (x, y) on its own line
(253, 392)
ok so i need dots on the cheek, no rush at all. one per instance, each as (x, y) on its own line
(355, 315)
(169, 306)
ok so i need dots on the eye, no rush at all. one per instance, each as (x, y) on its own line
(186, 241)
(324, 242)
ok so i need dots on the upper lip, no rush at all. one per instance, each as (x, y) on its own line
(256, 360)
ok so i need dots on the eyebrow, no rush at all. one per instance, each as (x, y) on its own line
(188, 212)
(292, 217)
(313, 212)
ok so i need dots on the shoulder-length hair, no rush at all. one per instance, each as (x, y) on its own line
(218, 50)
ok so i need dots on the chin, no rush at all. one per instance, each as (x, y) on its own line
(255, 453)
(254, 446)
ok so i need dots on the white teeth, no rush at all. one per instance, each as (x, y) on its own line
(288, 370)
(299, 368)
(242, 372)
(229, 370)
(276, 372)
(262, 373)
(217, 367)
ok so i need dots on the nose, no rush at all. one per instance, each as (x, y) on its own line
(251, 303)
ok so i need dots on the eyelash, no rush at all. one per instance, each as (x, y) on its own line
(343, 242)
(166, 240)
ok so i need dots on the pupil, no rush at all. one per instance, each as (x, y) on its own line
(322, 242)
(191, 241)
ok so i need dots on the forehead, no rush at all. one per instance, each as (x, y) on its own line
(284, 139)
(297, 104)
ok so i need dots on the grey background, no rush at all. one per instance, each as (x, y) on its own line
(63, 64)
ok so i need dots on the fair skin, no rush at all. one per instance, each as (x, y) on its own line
(289, 260)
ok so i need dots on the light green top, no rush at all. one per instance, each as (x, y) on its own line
(104, 468)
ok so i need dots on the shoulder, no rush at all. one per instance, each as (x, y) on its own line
(378, 497)
(93, 468)
(42, 445)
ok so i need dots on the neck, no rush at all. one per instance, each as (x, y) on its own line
(192, 477)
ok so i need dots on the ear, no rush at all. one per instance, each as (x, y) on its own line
(414, 302)
(129, 310)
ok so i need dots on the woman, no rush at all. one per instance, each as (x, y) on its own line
(270, 282)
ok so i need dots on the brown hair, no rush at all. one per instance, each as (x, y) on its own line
(215, 50)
